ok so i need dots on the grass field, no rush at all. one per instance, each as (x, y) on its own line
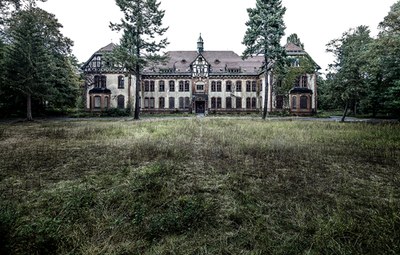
(199, 186)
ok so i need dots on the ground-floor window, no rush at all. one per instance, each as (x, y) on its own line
(121, 102)
(171, 103)
(228, 103)
(161, 103)
(97, 102)
(151, 102)
(187, 102)
(106, 102)
(279, 102)
(303, 102)
(238, 102)
(294, 102)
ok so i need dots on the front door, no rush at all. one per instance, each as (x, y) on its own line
(200, 107)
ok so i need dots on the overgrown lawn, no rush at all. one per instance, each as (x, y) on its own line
(199, 186)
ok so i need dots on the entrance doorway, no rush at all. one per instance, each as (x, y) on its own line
(200, 107)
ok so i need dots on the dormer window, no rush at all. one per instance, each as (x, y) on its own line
(183, 61)
(217, 61)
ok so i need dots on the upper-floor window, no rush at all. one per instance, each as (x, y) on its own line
(239, 86)
(161, 85)
(100, 81)
(213, 86)
(219, 86)
(248, 86)
(228, 86)
(152, 86)
(254, 86)
(187, 86)
(146, 87)
(121, 83)
(181, 86)
(171, 86)
(304, 81)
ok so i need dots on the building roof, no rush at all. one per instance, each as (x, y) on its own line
(107, 48)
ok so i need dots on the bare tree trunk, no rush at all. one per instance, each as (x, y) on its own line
(130, 94)
(29, 107)
(137, 98)
(345, 111)
(265, 110)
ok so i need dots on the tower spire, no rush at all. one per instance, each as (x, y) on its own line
(200, 44)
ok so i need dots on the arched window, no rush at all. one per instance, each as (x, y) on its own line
(152, 86)
(248, 86)
(172, 86)
(97, 102)
(253, 102)
(181, 86)
(172, 103)
(213, 87)
(294, 102)
(181, 102)
(303, 102)
(146, 87)
(254, 86)
(187, 102)
(152, 102)
(219, 103)
(248, 102)
(121, 102)
(238, 103)
(239, 86)
(228, 103)
(187, 86)
(121, 82)
(213, 103)
(228, 86)
(161, 85)
(161, 103)
(106, 102)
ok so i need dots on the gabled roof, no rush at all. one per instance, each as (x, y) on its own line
(107, 48)
(291, 47)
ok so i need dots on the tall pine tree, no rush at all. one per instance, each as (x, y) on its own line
(38, 59)
(140, 43)
(265, 29)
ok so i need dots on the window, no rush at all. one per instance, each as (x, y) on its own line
(294, 102)
(279, 102)
(172, 103)
(303, 102)
(106, 102)
(161, 103)
(152, 86)
(254, 86)
(297, 81)
(161, 85)
(248, 86)
(152, 102)
(253, 102)
(187, 86)
(213, 86)
(171, 86)
(181, 103)
(103, 81)
(213, 103)
(228, 103)
(187, 102)
(228, 86)
(200, 87)
(219, 103)
(146, 87)
(239, 86)
(146, 102)
(97, 102)
(121, 83)
(304, 82)
(248, 102)
(181, 86)
(121, 102)
(260, 85)
(97, 81)
(238, 102)
(219, 85)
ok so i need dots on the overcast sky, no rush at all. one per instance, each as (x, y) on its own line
(221, 22)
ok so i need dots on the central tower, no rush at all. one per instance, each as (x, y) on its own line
(200, 44)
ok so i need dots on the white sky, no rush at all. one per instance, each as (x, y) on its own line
(221, 22)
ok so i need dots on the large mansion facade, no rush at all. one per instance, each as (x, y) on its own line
(198, 82)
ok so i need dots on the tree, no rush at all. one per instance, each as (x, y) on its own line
(141, 26)
(38, 59)
(265, 29)
(349, 76)
(293, 38)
